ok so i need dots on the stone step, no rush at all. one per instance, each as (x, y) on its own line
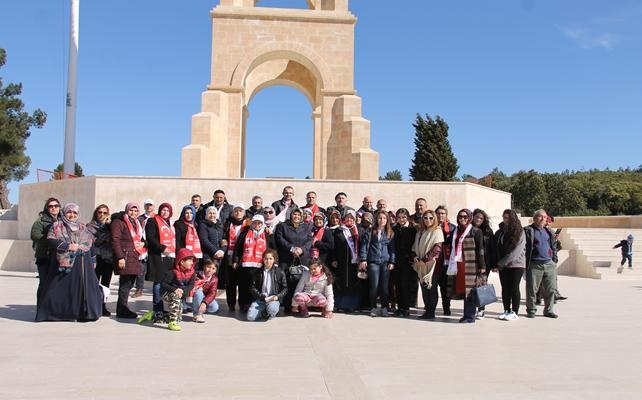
(16, 255)
(8, 229)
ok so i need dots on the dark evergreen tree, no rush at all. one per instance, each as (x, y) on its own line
(15, 125)
(434, 159)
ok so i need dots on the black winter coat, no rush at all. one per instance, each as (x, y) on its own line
(404, 239)
(157, 266)
(102, 240)
(223, 215)
(287, 236)
(325, 246)
(171, 282)
(210, 234)
(490, 250)
(279, 283)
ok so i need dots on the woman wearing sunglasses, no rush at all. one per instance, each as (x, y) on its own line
(426, 248)
(99, 227)
(49, 214)
(466, 265)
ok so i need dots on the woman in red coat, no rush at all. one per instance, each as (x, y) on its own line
(129, 250)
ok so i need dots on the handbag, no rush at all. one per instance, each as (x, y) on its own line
(483, 295)
(296, 269)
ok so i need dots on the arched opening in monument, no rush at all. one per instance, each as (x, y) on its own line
(280, 69)
(278, 134)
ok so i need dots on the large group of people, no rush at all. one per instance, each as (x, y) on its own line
(300, 259)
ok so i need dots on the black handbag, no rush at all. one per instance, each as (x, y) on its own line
(296, 269)
(483, 295)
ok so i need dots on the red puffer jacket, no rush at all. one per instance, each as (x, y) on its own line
(209, 287)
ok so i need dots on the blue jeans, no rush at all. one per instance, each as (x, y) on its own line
(140, 279)
(378, 277)
(212, 308)
(469, 308)
(261, 310)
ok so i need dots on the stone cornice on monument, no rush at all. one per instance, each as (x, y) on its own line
(282, 14)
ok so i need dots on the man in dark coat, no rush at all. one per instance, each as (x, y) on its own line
(284, 207)
(421, 206)
(219, 201)
(627, 251)
(256, 208)
(341, 200)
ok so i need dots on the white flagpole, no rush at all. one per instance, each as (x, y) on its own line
(70, 117)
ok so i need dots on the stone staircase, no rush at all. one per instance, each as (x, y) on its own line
(15, 254)
(594, 255)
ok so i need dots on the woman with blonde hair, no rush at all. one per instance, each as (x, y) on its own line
(426, 249)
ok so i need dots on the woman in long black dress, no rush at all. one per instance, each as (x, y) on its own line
(345, 265)
(72, 291)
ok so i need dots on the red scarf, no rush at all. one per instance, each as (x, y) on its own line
(446, 229)
(234, 233)
(184, 276)
(315, 238)
(166, 235)
(253, 249)
(192, 241)
(314, 209)
(137, 237)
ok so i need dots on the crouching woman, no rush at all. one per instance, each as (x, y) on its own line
(314, 290)
(268, 287)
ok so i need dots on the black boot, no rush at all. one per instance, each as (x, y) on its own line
(106, 312)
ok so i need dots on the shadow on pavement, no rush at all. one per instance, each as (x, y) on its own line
(18, 312)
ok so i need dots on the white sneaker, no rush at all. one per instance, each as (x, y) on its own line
(512, 316)
(503, 316)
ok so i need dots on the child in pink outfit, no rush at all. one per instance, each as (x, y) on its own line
(314, 290)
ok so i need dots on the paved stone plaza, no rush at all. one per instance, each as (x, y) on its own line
(593, 351)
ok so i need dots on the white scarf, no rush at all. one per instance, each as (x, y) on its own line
(353, 249)
(456, 251)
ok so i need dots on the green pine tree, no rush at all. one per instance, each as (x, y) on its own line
(434, 159)
(15, 125)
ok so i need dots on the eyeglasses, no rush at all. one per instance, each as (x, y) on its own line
(53, 206)
(428, 218)
(268, 212)
(102, 212)
(462, 217)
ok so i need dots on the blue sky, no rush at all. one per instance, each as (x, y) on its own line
(532, 84)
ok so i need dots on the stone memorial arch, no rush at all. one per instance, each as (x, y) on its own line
(311, 50)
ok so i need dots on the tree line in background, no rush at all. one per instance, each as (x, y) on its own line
(592, 192)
